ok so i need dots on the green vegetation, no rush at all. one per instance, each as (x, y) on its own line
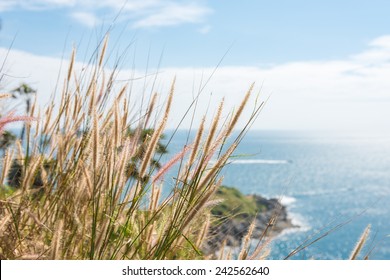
(6, 139)
(234, 203)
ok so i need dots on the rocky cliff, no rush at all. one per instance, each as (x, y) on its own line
(236, 211)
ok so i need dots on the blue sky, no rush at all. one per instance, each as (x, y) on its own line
(326, 63)
(261, 32)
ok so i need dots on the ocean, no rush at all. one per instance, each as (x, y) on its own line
(333, 186)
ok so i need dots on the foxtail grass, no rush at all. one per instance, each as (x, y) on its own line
(86, 188)
(359, 245)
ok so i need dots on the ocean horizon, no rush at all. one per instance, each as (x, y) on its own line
(332, 185)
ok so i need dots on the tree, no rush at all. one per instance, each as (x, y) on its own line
(25, 92)
(133, 165)
(6, 139)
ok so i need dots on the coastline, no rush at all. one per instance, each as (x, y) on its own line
(271, 220)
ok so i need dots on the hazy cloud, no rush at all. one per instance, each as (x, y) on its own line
(174, 14)
(143, 13)
(205, 29)
(353, 93)
(379, 51)
(35, 4)
(85, 18)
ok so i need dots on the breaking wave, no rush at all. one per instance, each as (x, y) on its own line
(260, 161)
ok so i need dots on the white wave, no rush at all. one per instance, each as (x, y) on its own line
(300, 223)
(287, 200)
(319, 192)
(259, 161)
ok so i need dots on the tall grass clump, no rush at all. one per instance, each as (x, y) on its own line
(84, 184)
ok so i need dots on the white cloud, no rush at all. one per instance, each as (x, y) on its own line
(85, 18)
(349, 94)
(143, 13)
(379, 51)
(6, 5)
(53, 4)
(382, 42)
(174, 14)
(134, 5)
(35, 4)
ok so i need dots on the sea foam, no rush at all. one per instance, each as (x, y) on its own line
(259, 161)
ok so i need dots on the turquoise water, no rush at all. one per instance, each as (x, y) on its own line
(324, 181)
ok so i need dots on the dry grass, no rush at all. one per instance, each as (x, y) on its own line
(75, 198)
(72, 195)
(359, 245)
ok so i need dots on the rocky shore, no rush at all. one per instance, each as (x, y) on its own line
(235, 214)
